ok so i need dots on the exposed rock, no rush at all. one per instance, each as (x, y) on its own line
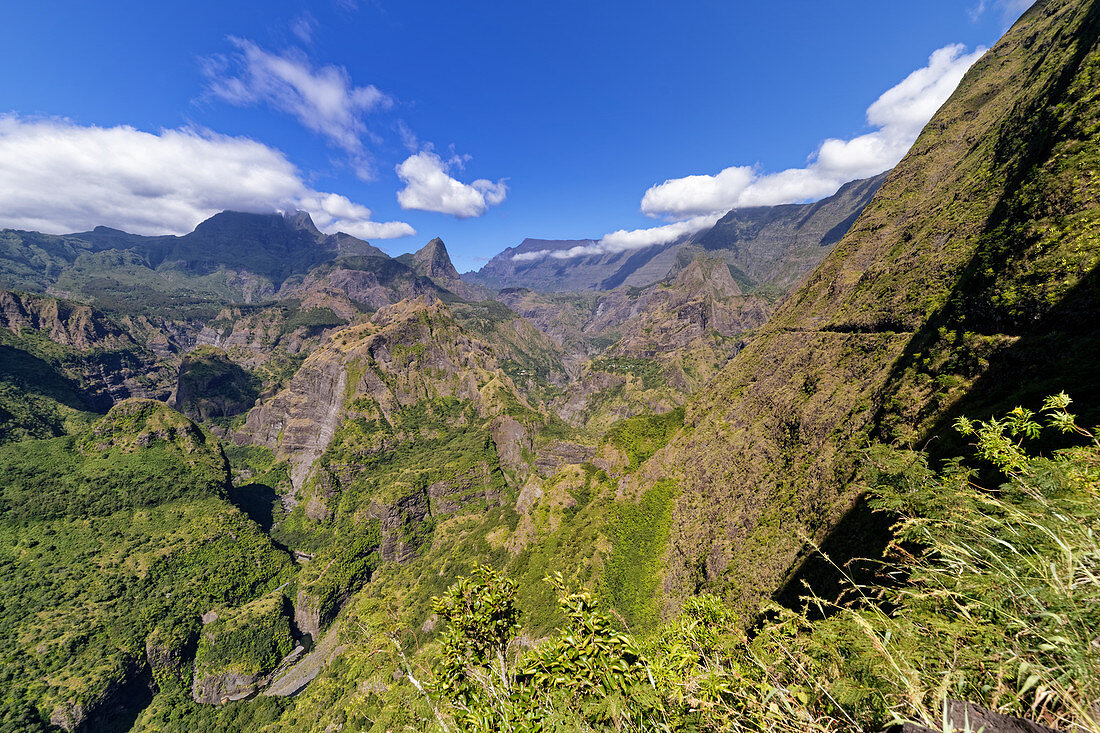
(966, 716)
(399, 521)
(218, 689)
(307, 614)
(772, 449)
(211, 385)
(529, 496)
(512, 441)
(560, 453)
(433, 262)
(452, 494)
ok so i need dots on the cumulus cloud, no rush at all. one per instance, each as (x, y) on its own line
(897, 118)
(58, 177)
(429, 187)
(696, 202)
(323, 99)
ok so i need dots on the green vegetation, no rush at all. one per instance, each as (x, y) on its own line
(339, 571)
(250, 640)
(990, 597)
(441, 442)
(312, 320)
(211, 385)
(110, 539)
(140, 454)
(648, 372)
(633, 570)
(640, 437)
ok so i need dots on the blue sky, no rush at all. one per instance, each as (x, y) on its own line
(479, 122)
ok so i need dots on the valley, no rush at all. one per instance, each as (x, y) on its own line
(261, 478)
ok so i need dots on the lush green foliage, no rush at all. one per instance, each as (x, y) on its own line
(113, 538)
(991, 597)
(250, 640)
(648, 372)
(633, 570)
(640, 437)
(340, 570)
(103, 473)
(312, 320)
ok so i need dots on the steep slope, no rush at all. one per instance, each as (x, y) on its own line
(778, 245)
(964, 266)
(433, 262)
(231, 257)
(114, 542)
(669, 340)
(59, 359)
(769, 245)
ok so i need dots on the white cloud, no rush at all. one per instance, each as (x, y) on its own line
(303, 26)
(695, 202)
(623, 240)
(897, 116)
(58, 177)
(429, 187)
(324, 100)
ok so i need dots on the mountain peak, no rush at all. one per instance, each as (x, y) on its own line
(433, 261)
(301, 220)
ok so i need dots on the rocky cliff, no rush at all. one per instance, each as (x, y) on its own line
(771, 245)
(975, 245)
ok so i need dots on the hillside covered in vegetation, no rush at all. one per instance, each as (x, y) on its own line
(823, 467)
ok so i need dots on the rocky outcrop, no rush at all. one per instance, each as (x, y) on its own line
(218, 689)
(512, 442)
(433, 262)
(65, 323)
(399, 524)
(307, 614)
(455, 492)
(104, 362)
(966, 716)
(301, 420)
(407, 353)
(561, 453)
(210, 385)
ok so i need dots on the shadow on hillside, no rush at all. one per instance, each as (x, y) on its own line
(258, 501)
(37, 376)
(1059, 352)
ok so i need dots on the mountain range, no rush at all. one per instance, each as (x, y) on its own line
(257, 477)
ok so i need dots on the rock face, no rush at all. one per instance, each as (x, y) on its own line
(968, 716)
(434, 263)
(967, 248)
(221, 688)
(210, 385)
(771, 244)
(398, 520)
(779, 245)
(103, 361)
(407, 353)
(370, 281)
(301, 420)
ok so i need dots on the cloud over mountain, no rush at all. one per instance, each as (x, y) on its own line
(430, 187)
(896, 117)
(696, 202)
(60, 177)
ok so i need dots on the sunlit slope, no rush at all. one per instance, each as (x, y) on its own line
(976, 242)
